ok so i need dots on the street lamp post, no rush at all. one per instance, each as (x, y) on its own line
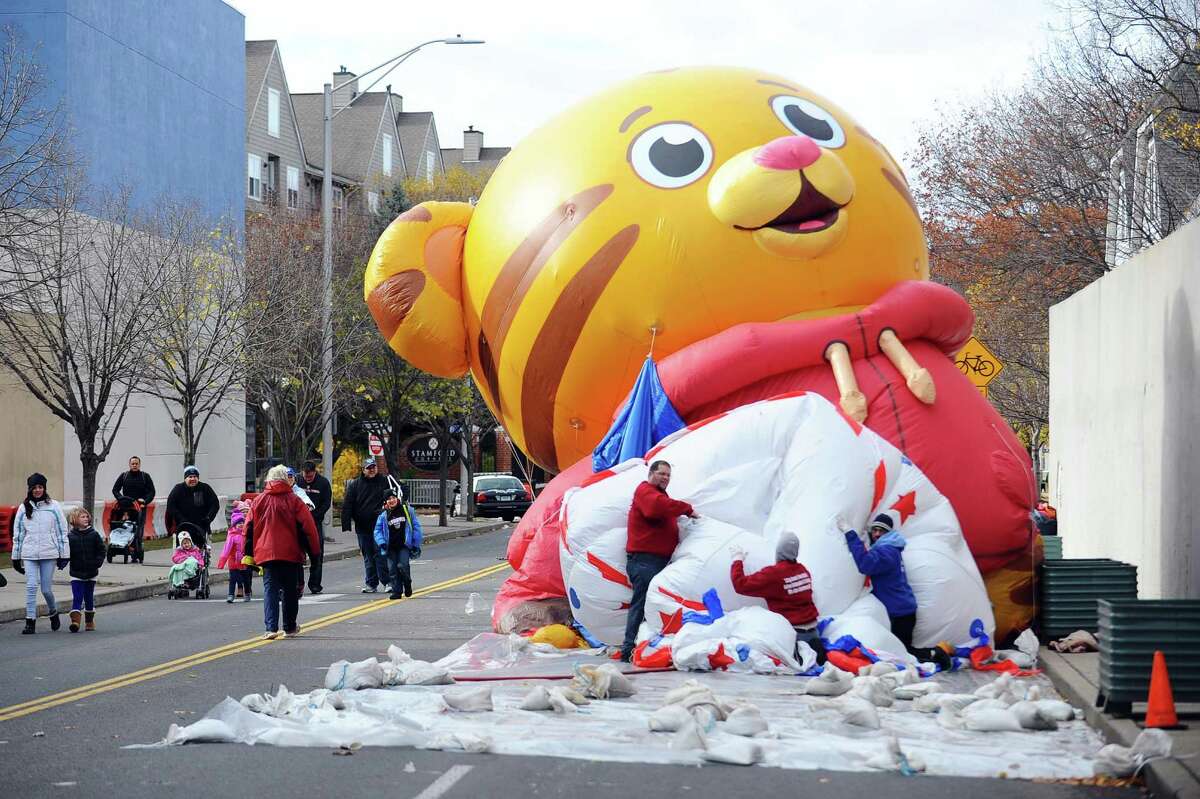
(327, 233)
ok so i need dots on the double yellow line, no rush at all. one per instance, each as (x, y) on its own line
(171, 666)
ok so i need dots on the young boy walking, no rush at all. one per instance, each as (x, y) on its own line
(398, 537)
(87, 556)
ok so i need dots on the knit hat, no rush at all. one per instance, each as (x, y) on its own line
(35, 479)
(188, 471)
(291, 472)
(237, 517)
(883, 520)
(788, 547)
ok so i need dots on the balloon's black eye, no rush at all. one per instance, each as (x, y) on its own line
(806, 118)
(671, 155)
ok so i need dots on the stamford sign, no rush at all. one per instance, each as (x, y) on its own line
(425, 452)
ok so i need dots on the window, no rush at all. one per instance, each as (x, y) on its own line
(387, 154)
(273, 112)
(1147, 207)
(293, 188)
(429, 164)
(373, 201)
(339, 197)
(254, 173)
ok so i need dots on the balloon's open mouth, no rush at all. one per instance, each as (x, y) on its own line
(811, 212)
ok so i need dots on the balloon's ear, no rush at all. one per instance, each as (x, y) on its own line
(413, 287)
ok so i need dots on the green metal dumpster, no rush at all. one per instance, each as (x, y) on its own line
(1130, 632)
(1052, 547)
(1070, 588)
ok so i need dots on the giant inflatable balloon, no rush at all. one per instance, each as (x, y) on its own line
(750, 235)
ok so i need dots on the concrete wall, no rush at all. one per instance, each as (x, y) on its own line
(31, 441)
(1125, 417)
(153, 91)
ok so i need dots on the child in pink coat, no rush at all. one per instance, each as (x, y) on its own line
(235, 548)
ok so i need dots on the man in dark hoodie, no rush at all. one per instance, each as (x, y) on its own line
(195, 502)
(321, 494)
(884, 564)
(787, 588)
(137, 486)
(362, 506)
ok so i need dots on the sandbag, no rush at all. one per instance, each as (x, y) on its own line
(874, 690)
(602, 682)
(992, 721)
(859, 712)
(1031, 717)
(669, 718)
(832, 681)
(1124, 761)
(469, 699)
(354, 676)
(734, 750)
(746, 721)
(893, 758)
(915, 690)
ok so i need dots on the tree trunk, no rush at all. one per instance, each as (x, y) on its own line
(91, 463)
(443, 468)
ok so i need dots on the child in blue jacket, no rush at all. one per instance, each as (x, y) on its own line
(398, 537)
(884, 564)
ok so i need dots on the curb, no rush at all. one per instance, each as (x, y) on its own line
(1166, 779)
(219, 577)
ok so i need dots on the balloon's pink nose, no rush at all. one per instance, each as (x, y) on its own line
(787, 153)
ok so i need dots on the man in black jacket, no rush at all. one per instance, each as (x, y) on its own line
(137, 486)
(362, 506)
(319, 491)
(195, 502)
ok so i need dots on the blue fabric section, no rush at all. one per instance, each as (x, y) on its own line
(592, 641)
(645, 420)
(713, 603)
(979, 637)
(848, 643)
(574, 599)
(743, 652)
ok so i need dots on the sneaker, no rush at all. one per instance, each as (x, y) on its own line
(395, 595)
(245, 598)
(229, 600)
(270, 635)
(315, 591)
(330, 539)
(293, 633)
(370, 589)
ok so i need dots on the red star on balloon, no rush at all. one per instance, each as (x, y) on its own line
(906, 506)
(719, 660)
(671, 623)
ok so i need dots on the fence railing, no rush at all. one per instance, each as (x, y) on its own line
(425, 492)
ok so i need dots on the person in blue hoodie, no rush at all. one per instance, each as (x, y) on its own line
(398, 538)
(884, 564)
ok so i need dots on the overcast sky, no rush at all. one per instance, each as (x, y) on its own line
(887, 63)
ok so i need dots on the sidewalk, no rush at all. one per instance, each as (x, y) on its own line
(119, 582)
(1077, 678)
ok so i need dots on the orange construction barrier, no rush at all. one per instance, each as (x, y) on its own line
(1160, 706)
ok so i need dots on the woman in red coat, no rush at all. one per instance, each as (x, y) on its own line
(279, 534)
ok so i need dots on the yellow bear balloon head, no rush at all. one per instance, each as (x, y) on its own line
(655, 214)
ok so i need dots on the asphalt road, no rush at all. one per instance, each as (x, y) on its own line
(131, 692)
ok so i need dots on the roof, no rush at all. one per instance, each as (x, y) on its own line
(355, 131)
(413, 127)
(489, 158)
(258, 61)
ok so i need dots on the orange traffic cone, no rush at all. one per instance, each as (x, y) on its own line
(1160, 706)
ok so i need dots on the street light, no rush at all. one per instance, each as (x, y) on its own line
(327, 229)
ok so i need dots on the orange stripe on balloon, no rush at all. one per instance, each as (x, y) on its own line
(556, 341)
(687, 603)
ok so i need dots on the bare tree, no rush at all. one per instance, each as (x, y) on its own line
(34, 157)
(76, 330)
(198, 349)
(284, 347)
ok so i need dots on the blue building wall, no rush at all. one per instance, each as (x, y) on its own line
(153, 92)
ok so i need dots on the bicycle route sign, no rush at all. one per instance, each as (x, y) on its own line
(978, 363)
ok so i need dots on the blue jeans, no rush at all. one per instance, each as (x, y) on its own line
(83, 595)
(281, 584)
(38, 574)
(642, 567)
(374, 565)
(397, 569)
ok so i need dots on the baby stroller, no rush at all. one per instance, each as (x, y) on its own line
(199, 583)
(123, 533)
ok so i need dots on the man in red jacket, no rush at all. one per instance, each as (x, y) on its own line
(653, 536)
(787, 587)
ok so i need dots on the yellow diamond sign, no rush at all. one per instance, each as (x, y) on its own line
(978, 363)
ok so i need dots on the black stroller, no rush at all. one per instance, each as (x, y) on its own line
(198, 583)
(124, 533)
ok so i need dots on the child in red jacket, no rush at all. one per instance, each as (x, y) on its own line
(787, 587)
